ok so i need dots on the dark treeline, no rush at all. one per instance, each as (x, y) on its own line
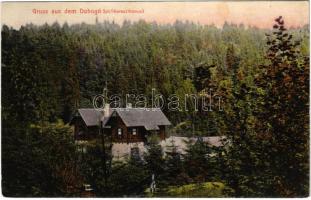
(49, 71)
(53, 70)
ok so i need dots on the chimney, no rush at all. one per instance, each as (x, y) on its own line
(106, 110)
(129, 105)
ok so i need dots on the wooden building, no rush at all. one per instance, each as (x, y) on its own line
(123, 125)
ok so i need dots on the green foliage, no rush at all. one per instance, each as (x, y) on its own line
(55, 69)
(129, 179)
(175, 172)
(51, 70)
(207, 189)
(267, 124)
(284, 115)
(39, 161)
(154, 158)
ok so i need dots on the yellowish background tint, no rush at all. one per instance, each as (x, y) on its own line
(260, 14)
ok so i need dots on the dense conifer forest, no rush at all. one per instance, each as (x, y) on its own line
(49, 71)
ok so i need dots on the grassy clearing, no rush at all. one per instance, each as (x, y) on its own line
(207, 189)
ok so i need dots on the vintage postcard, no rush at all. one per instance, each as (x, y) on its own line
(155, 99)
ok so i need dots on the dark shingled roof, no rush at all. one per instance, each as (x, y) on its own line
(146, 117)
(90, 116)
(149, 118)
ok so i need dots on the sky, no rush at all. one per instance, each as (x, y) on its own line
(255, 13)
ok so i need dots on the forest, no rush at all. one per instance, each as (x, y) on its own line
(262, 75)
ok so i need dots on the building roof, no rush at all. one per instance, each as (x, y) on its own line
(90, 116)
(181, 142)
(149, 118)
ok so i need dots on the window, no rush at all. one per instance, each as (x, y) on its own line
(119, 131)
(134, 131)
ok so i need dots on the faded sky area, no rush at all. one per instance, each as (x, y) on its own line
(260, 14)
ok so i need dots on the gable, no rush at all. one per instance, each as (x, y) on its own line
(113, 118)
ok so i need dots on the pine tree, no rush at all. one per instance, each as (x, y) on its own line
(284, 117)
(174, 172)
(196, 160)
